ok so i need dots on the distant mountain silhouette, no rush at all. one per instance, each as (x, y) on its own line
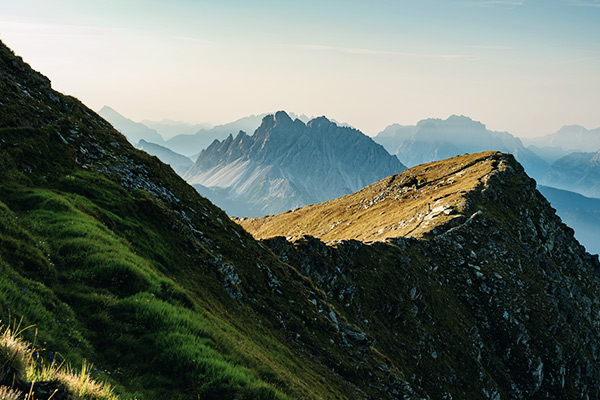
(168, 128)
(179, 163)
(133, 131)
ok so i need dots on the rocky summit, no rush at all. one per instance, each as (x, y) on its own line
(478, 279)
(286, 164)
(117, 261)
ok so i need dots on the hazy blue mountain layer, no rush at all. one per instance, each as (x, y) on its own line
(169, 128)
(568, 139)
(133, 131)
(178, 162)
(436, 139)
(576, 172)
(287, 164)
(579, 212)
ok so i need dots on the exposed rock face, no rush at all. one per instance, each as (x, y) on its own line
(288, 164)
(576, 172)
(504, 304)
(436, 139)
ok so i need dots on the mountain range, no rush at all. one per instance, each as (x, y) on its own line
(286, 164)
(483, 293)
(575, 172)
(436, 139)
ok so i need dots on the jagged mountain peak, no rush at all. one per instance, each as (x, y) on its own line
(321, 123)
(286, 164)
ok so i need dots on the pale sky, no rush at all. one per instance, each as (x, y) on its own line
(526, 67)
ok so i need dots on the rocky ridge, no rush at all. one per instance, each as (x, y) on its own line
(419, 201)
(506, 296)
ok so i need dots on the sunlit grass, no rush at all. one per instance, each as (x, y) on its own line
(20, 368)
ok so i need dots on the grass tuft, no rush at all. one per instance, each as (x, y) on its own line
(7, 393)
(81, 385)
(15, 356)
(20, 370)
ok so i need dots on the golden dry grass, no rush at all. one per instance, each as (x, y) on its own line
(412, 203)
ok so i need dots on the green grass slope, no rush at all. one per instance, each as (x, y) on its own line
(117, 261)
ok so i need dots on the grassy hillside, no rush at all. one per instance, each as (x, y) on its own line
(117, 261)
(412, 203)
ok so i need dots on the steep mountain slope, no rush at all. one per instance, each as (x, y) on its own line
(579, 212)
(568, 139)
(179, 163)
(576, 172)
(499, 302)
(118, 261)
(436, 139)
(287, 164)
(133, 131)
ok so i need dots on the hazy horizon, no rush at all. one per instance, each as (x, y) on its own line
(524, 67)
